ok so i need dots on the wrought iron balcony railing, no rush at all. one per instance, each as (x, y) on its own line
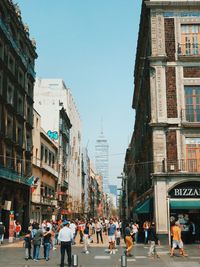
(190, 115)
(12, 175)
(189, 49)
(182, 165)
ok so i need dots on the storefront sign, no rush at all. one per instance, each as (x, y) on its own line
(186, 190)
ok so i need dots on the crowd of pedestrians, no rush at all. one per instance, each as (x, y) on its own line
(46, 236)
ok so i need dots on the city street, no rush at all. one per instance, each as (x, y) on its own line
(12, 255)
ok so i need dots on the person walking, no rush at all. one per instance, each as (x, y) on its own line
(128, 240)
(27, 245)
(2, 232)
(86, 237)
(65, 237)
(146, 226)
(18, 229)
(118, 236)
(135, 228)
(177, 241)
(153, 238)
(111, 236)
(47, 243)
(98, 229)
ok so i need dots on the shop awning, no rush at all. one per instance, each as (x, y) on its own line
(184, 204)
(145, 207)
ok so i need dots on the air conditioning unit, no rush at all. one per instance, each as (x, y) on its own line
(172, 167)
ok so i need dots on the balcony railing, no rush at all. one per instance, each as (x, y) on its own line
(189, 49)
(12, 175)
(48, 168)
(190, 115)
(182, 165)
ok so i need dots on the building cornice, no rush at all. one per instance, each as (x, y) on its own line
(174, 4)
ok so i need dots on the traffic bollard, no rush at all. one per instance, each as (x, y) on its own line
(75, 260)
(123, 261)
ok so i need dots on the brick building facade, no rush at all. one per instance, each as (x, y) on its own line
(165, 146)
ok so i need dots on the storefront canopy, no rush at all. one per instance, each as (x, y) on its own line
(144, 207)
(184, 204)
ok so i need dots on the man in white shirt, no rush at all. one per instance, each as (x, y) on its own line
(73, 228)
(65, 237)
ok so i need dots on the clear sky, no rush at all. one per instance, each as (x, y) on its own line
(90, 44)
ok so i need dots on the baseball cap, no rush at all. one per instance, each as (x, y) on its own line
(65, 222)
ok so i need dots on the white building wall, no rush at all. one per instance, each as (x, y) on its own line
(50, 96)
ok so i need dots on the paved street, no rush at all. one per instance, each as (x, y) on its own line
(12, 255)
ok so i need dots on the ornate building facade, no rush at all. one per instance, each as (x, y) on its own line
(17, 76)
(162, 162)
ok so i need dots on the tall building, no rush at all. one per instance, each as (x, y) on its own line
(60, 119)
(102, 160)
(162, 163)
(17, 76)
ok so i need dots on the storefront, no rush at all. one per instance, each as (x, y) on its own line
(177, 197)
(184, 205)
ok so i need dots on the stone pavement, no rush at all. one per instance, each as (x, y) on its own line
(12, 255)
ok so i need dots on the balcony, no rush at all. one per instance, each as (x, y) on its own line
(12, 175)
(16, 47)
(65, 132)
(190, 116)
(49, 169)
(182, 165)
(188, 51)
(64, 184)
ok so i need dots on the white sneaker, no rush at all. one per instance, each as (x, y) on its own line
(87, 252)
(111, 252)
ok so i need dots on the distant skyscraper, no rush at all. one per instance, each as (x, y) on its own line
(101, 160)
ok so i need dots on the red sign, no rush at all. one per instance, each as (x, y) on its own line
(11, 226)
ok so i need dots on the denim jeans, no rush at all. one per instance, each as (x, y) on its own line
(36, 252)
(47, 250)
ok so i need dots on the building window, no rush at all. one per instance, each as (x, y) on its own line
(20, 108)
(11, 63)
(42, 153)
(21, 77)
(9, 127)
(190, 39)
(1, 82)
(1, 50)
(10, 94)
(193, 154)
(9, 159)
(192, 103)
(46, 155)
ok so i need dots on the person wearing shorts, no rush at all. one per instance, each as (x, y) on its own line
(177, 241)
(111, 236)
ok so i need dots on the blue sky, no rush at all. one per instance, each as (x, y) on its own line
(90, 44)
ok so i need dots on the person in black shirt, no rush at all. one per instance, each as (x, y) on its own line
(27, 245)
(47, 242)
(153, 238)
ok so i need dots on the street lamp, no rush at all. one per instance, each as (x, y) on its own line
(124, 195)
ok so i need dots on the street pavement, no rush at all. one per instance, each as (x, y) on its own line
(12, 255)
